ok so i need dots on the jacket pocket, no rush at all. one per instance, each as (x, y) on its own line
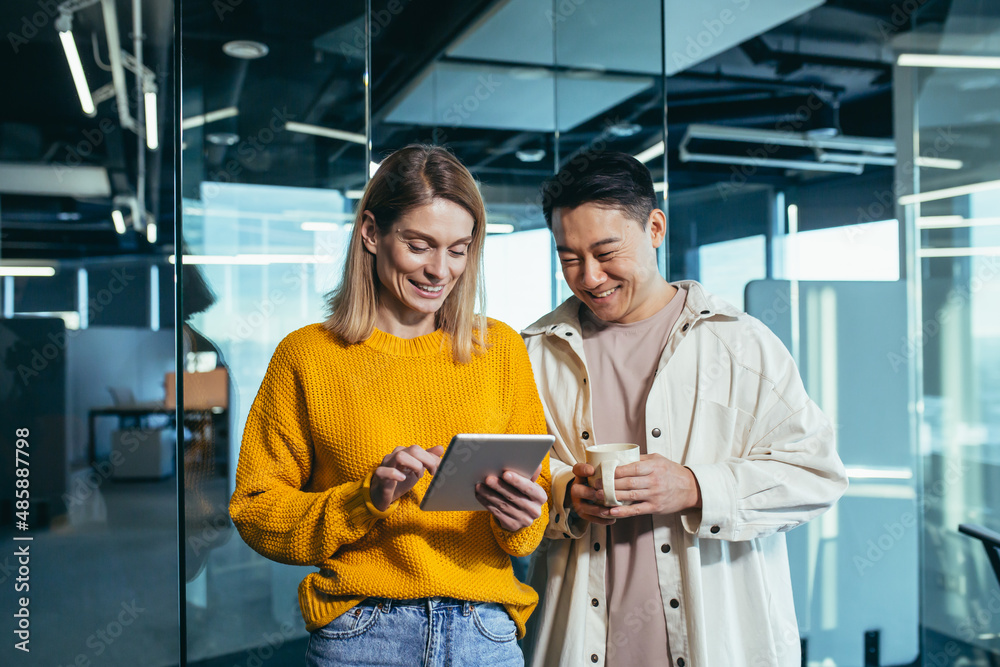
(719, 432)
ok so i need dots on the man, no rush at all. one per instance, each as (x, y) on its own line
(694, 571)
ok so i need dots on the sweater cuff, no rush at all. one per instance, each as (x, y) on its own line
(361, 513)
(523, 542)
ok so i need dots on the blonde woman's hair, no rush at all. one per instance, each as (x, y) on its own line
(410, 178)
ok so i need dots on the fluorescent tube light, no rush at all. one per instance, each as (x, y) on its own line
(83, 297)
(782, 138)
(940, 221)
(803, 165)
(151, 232)
(152, 134)
(210, 117)
(329, 132)
(119, 220)
(154, 297)
(939, 163)
(941, 60)
(21, 271)
(793, 218)
(955, 221)
(856, 158)
(888, 160)
(654, 151)
(660, 186)
(76, 69)
(253, 260)
(499, 228)
(948, 193)
(354, 194)
(959, 252)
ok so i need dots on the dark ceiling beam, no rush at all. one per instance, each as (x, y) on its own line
(771, 84)
(785, 63)
(559, 69)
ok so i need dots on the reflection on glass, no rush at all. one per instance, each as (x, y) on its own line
(274, 124)
(955, 332)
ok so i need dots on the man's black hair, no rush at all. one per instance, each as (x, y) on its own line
(614, 180)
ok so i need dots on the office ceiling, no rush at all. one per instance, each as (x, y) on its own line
(605, 61)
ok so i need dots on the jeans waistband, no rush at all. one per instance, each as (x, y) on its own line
(431, 603)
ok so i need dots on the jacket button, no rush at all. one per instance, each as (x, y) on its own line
(594, 658)
(715, 529)
(594, 602)
(585, 436)
(665, 548)
(680, 662)
(674, 603)
(597, 546)
(557, 518)
(685, 327)
(656, 433)
(569, 333)
(705, 312)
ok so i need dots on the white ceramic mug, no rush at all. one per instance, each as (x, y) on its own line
(606, 459)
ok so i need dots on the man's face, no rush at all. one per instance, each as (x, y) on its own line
(609, 260)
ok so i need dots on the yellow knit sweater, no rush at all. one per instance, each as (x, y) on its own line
(325, 416)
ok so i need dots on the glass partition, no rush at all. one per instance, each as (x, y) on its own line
(273, 158)
(948, 124)
(88, 489)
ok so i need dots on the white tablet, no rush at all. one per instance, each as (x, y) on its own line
(471, 457)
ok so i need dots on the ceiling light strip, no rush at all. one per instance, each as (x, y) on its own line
(210, 117)
(948, 193)
(987, 251)
(27, 271)
(253, 260)
(76, 69)
(780, 138)
(947, 61)
(955, 222)
(802, 165)
(329, 132)
(654, 151)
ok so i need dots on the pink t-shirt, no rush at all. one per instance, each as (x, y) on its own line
(622, 361)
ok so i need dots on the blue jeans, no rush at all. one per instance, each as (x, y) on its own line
(428, 632)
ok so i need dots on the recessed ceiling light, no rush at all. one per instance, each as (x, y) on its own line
(245, 49)
(222, 138)
(531, 155)
(624, 129)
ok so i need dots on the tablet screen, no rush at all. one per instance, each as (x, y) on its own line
(471, 457)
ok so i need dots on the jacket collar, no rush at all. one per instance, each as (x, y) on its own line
(700, 304)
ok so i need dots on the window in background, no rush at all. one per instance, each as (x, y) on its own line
(725, 268)
(269, 254)
(517, 277)
(868, 251)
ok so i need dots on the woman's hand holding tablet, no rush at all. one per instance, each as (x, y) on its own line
(513, 499)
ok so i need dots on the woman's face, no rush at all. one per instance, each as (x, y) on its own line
(419, 261)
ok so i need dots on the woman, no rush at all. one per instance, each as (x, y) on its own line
(352, 413)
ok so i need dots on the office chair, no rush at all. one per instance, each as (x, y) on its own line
(990, 540)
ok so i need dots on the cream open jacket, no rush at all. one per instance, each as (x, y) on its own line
(727, 402)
